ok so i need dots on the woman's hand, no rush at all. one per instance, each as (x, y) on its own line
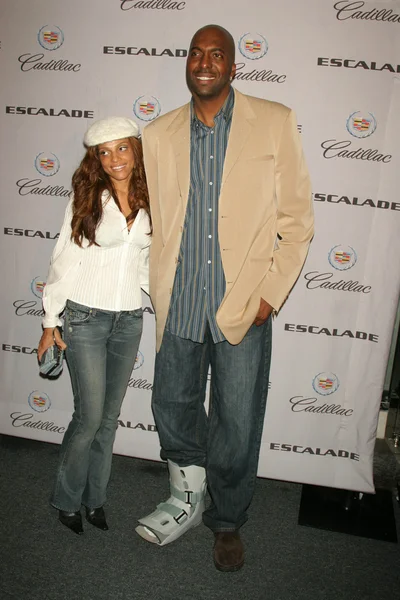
(50, 336)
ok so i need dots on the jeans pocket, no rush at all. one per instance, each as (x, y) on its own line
(77, 314)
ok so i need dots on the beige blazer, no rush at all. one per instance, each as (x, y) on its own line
(265, 221)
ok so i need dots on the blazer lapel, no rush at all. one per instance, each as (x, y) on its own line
(241, 128)
(180, 140)
(242, 125)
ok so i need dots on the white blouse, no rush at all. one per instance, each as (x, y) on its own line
(108, 276)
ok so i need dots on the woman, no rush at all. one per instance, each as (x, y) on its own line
(97, 268)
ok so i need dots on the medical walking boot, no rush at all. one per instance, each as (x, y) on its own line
(183, 509)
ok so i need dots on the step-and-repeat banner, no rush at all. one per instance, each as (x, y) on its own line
(337, 63)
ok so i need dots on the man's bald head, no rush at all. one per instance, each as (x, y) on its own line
(230, 42)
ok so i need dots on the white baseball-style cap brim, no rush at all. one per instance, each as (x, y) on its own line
(110, 129)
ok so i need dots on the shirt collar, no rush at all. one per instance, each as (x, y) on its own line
(226, 110)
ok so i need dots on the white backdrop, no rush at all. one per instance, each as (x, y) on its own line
(335, 62)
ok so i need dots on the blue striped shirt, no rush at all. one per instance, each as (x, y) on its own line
(199, 285)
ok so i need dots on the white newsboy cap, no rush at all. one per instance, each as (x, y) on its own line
(110, 129)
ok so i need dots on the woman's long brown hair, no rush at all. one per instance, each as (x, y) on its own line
(90, 181)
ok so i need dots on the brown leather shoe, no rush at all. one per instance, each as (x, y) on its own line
(228, 551)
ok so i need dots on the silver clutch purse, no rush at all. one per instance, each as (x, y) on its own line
(51, 363)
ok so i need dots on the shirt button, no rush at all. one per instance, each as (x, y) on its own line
(210, 210)
(211, 183)
(212, 132)
(211, 157)
(210, 236)
(209, 262)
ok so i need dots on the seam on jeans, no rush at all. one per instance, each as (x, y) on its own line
(119, 326)
(209, 342)
(203, 375)
(264, 396)
(94, 507)
(119, 316)
(253, 462)
(207, 520)
(67, 449)
(203, 383)
(57, 507)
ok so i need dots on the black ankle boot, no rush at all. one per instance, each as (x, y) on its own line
(72, 520)
(97, 517)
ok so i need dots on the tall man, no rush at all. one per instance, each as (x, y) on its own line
(232, 220)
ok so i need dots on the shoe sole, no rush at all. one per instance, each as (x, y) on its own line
(171, 538)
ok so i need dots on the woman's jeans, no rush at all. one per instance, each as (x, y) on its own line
(101, 351)
(227, 441)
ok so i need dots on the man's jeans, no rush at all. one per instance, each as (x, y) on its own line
(101, 352)
(227, 441)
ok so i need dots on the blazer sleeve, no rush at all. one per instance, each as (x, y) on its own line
(64, 265)
(295, 220)
(144, 269)
(150, 161)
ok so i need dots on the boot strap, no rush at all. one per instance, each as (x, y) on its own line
(187, 496)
